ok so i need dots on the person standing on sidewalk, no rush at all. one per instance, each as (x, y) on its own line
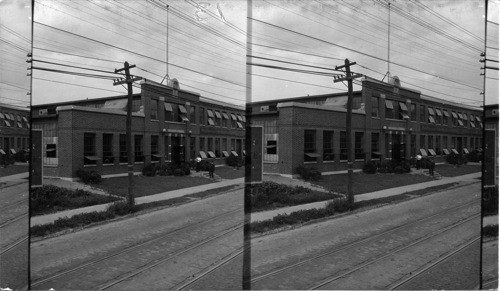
(211, 169)
(432, 164)
(419, 160)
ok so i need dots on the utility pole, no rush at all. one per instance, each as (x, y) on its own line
(130, 156)
(349, 77)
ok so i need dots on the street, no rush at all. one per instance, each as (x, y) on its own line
(395, 246)
(14, 244)
(163, 249)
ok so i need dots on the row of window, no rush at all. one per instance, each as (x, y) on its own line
(213, 148)
(14, 121)
(437, 145)
(399, 110)
(178, 113)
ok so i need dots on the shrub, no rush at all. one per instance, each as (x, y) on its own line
(233, 161)
(308, 174)
(88, 177)
(21, 156)
(120, 208)
(149, 170)
(204, 165)
(370, 167)
(339, 205)
(474, 156)
(178, 172)
(185, 168)
(163, 170)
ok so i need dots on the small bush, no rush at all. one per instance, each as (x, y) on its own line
(204, 165)
(370, 167)
(120, 208)
(474, 156)
(178, 172)
(233, 161)
(89, 177)
(21, 156)
(149, 170)
(163, 170)
(308, 174)
(185, 168)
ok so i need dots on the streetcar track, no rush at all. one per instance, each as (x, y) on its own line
(392, 252)
(12, 220)
(128, 249)
(211, 269)
(353, 244)
(3, 208)
(432, 264)
(157, 262)
(13, 245)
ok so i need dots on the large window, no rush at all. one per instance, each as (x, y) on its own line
(343, 145)
(218, 118)
(225, 118)
(138, 149)
(438, 144)
(389, 109)
(51, 150)
(155, 157)
(358, 146)
(430, 142)
(89, 151)
(217, 147)
(413, 145)
(154, 109)
(422, 141)
(375, 145)
(107, 148)
(375, 112)
(123, 148)
(192, 114)
(201, 114)
(169, 112)
(271, 147)
(310, 154)
(439, 116)
(445, 142)
(328, 145)
(422, 113)
(446, 115)
(413, 111)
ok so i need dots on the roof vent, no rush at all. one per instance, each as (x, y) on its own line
(395, 81)
(173, 83)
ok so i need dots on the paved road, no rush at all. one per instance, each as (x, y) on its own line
(158, 250)
(490, 264)
(14, 228)
(374, 249)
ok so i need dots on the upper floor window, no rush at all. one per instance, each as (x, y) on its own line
(310, 154)
(375, 112)
(422, 113)
(154, 109)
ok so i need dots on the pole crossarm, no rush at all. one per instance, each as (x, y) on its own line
(341, 79)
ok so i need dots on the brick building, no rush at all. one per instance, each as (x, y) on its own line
(169, 124)
(388, 122)
(491, 150)
(14, 129)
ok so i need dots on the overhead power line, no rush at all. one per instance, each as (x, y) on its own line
(360, 52)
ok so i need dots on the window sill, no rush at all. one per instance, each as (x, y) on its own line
(107, 165)
(89, 166)
(328, 162)
(315, 162)
(155, 120)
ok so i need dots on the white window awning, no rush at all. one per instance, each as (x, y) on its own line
(168, 107)
(217, 114)
(432, 152)
(211, 121)
(454, 151)
(431, 111)
(446, 151)
(403, 106)
(2, 152)
(2, 116)
(234, 153)
(244, 119)
(460, 122)
(210, 113)
(239, 124)
(224, 114)
(454, 114)
(478, 119)
(445, 113)
(182, 109)
(184, 118)
(438, 112)
(431, 119)
(388, 104)
(225, 154)
(13, 151)
(203, 155)
(472, 124)
(233, 117)
(239, 118)
(211, 154)
(466, 150)
(312, 155)
(423, 152)
(24, 119)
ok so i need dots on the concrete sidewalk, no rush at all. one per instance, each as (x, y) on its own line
(15, 179)
(266, 215)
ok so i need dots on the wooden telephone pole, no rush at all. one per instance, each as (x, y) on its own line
(130, 156)
(349, 77)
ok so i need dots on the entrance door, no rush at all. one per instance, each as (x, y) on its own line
(177, 150)
(396, 147)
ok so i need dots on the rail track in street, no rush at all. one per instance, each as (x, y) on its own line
(326, 268)
(130, 263)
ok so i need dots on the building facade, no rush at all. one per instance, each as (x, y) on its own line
(14, 130)
(169, 124)
(389, 122)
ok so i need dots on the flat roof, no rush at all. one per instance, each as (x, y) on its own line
(13, 107)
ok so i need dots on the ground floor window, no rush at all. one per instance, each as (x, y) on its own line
(413, 144)
(51, 150)
(89, 150)
(422, 141)
(155, 157)
(375, 145)
(217, 147)
(138, 149)
(430, 142)
(107, 148)
(445, 142)
(310, 146)
(192, 146)
(358, 145)
(328, 146)
(438, 145)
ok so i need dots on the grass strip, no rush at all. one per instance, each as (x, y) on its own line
(337, 206)
(117, 209)
(490, 231)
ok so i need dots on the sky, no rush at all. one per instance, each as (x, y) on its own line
(435, 47)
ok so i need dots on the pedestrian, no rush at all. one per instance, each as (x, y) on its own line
(419, 161)
(198, 164)
(431, 167)
(211, 169)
